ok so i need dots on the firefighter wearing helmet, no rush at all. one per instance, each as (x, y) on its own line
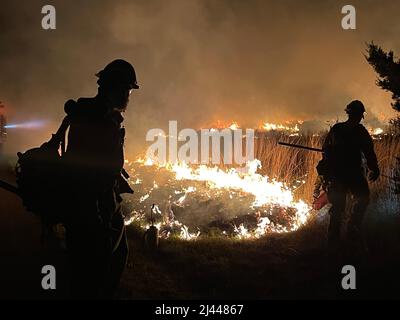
(347, 145)
(355, 107)
(94, 158)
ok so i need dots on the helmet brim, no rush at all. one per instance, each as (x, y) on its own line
(135, 86)
(355, 112)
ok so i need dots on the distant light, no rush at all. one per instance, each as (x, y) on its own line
(26, 125)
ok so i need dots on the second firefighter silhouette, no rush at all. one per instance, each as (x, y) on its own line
(344, 148)
(95, 232)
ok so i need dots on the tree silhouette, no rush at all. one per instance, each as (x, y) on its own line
(388, 70)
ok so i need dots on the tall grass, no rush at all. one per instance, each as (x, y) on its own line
(292, 164)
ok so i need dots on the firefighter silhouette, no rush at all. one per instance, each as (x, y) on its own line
(95, 232)
(344, 148)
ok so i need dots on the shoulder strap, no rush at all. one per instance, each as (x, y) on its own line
(58, 139)
(63, 130)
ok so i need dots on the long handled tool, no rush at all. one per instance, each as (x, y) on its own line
(9, 187)
(320, 150)
(299, 146)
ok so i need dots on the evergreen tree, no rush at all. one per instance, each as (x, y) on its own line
(388, 70)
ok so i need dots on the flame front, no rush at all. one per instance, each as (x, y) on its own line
(280, 127)
(264, 190)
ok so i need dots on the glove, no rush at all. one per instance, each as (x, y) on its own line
(373, 175)
(315, 195)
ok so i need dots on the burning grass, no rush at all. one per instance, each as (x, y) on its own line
(208, 200)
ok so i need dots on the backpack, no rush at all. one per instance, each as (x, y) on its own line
(39, 177)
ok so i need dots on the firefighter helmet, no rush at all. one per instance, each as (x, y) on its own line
(118, 71)
(355, 107)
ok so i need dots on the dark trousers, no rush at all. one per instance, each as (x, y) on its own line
(89, 252)
(338, 190)
(97, 254)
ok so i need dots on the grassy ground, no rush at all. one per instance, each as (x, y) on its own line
(293, 265)
(290, 266)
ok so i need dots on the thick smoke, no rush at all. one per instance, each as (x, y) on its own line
(197, 61)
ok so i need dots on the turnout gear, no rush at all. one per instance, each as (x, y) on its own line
(94, 159)
(344, 147)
